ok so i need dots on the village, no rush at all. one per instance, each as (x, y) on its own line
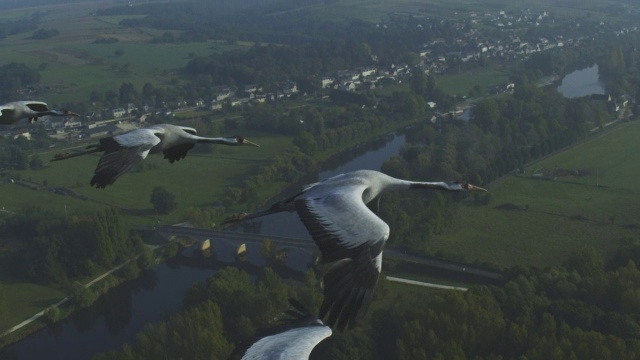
(438, 57)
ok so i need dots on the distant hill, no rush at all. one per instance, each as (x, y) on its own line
(17, 4)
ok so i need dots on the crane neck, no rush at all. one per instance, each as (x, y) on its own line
(435, 185)
(219, 140)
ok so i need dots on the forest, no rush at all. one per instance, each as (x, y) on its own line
(586, 308)
(57, 249)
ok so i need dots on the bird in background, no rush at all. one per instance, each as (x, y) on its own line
(348, 234)
(294, 339)
(125, 151)
(14, 111)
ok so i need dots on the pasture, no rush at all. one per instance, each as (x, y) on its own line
(23, 299)
(72, 65)
(536, 221)
(461, 84)
(198, 180)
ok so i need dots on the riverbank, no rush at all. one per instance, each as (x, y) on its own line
(38, 321)
(379, 135)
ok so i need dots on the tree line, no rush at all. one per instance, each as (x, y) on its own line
(586, 308)
(203, 331)
(58, 249)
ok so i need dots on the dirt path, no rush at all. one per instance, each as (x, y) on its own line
(66, 299)
(421, 283)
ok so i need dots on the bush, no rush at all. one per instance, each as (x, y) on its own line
(53, 314)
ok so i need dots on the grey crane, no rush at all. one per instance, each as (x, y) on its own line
(349, 235)
(293, 340)
(123, 152)
(32, 110)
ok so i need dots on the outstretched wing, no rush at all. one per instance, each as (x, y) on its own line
(296, 343)
(37, 106)
(122, 153)
(352, 237)
(7, 112)
(175, 153)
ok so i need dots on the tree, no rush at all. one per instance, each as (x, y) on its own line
(127, 93)
(81, 295)
(162, 200)
(53, 314)
(306, 143)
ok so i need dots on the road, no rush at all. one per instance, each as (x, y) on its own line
(426, 284)
(66, 299)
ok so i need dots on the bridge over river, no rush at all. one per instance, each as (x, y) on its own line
(425, 265)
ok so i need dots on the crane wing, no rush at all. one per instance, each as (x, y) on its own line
(296, 343)
(122, 153)
(7, 112)
(37, 106)
(352, 237)
(175, 153)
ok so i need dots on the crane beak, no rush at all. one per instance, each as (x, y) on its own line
(247, 142)
(470, 187)
(71, 113)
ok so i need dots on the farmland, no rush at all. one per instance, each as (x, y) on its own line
(539, 221)
(72, 65)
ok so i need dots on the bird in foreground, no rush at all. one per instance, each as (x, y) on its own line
(123, 152)
(32, 110)
(348, 234)
(293, 340)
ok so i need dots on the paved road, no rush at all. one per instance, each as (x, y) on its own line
(427, 284)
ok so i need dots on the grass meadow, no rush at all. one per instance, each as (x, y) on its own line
(198, 180)
(539, 222)
(23, 299)
(461, 84)
(71, 65)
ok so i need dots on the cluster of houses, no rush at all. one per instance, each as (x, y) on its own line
(435, 57)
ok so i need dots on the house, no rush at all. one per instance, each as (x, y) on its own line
(348, 86)
(290, 87)
(72, 124)
(118, 112)
(251, 88)
(326, 82)
(223, 94)
(215, 105)
(131, 107)
(260, 98)
(367, 71)
(22, 133)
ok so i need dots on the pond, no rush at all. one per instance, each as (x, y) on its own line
(581, 83)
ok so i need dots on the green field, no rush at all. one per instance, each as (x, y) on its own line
(539, 222)
(198, 180)
(461, 84)
(24, 300)
(74, 65)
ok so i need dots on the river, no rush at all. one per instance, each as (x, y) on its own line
(125, 310)
(581, 83)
